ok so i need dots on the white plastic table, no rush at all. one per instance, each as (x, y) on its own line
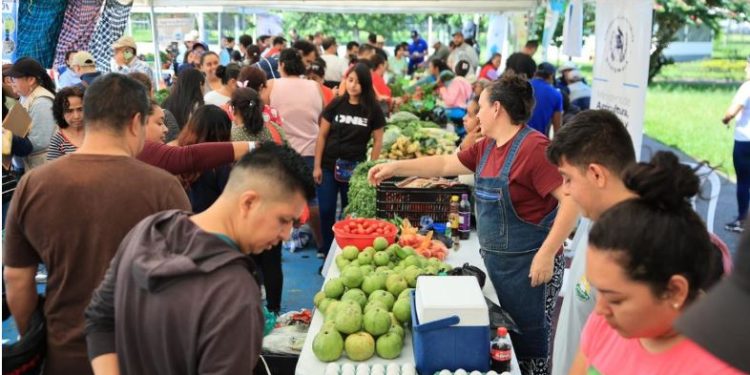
(309, 365)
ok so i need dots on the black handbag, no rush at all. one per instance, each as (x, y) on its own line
(26, 357)
(469, 270)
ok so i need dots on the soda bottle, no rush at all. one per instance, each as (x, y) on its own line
(454, 220)
(500, 351)
(464, 216)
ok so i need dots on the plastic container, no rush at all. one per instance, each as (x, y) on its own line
(414, 203)
(450, 330)
(361, 241)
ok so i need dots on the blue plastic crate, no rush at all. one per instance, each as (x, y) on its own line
(441, 345)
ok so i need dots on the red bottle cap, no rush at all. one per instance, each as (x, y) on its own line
(502, 331)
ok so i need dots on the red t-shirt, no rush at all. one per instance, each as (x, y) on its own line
(378, 83)
(532, 177)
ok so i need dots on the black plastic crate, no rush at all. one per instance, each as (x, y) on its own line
(413, 203)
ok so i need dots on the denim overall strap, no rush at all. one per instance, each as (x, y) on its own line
(508, 245)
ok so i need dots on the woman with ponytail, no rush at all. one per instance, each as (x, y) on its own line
(37, 94)
(228, 75)
(649, 257)
(249, 120)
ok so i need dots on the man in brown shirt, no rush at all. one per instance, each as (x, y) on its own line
(71, 215)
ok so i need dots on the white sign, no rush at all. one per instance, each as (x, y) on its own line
(623, 40)
(573, 29)
(173, 29)
(10, 28)
(497, 33)
(269, 24)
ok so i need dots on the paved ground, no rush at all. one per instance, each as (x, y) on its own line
(726, 210)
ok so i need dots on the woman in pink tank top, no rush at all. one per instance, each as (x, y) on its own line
(299, 102)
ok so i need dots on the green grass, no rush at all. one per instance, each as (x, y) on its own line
(688, 117)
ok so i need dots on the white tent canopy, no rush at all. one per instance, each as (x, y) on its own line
(357, 6)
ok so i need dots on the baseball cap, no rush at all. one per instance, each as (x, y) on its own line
(124, 41)
(546, 67)
(83, 58)
(568, 65)
(414, 33)
(26, 67)
(717, 321)
(199, 44)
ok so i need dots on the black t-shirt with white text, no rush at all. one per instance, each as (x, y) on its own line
(351, 130)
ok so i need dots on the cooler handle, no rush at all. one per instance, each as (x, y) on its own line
(438, 324)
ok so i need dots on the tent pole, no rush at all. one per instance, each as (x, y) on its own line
(237, 28)
(155, 37)
(429, 33)
(202, 28)
(219, 26)
(255, 26)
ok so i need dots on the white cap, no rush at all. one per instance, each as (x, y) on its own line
(568, 65)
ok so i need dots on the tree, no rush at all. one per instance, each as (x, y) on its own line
(672, 15)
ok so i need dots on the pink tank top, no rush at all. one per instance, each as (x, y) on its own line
(299, 103)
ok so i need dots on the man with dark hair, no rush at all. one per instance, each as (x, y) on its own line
(307, 50)
(462, 51)
(548, 108)
(530, 47)
(172, 263)
(521, 64)
(591, 152)
(227, 48)
(72, 213)
(352, 51)
(262, 42)
(278, 44)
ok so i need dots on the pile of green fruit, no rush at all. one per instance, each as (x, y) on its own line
(368, 306)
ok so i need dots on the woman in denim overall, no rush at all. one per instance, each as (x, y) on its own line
(521, 257)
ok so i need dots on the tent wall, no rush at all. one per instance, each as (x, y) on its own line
(359, 6)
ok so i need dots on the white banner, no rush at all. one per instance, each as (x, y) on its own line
(623, 40)
(173, 29)
(497, 33)
(10, 30)
(573, 29)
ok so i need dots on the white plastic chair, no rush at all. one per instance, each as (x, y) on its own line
(707, 175)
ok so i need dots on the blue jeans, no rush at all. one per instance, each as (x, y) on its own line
(741, 159)
(328, 193)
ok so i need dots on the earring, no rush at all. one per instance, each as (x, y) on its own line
(676, 306)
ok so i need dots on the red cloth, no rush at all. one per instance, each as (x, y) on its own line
(271, 114)
(327, 95)
(187, 159)
(378, 83)
(532, 177)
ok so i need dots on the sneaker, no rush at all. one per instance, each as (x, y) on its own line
(737, 226)
(321, 255)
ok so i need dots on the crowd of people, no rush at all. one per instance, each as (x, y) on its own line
(156, 205)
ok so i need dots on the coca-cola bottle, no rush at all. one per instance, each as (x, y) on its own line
(500, 351)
